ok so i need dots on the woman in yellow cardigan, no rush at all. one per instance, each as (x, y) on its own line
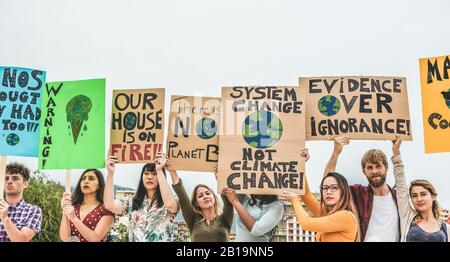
(335, 217)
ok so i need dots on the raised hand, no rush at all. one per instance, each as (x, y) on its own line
(160, 160)
(339, 143)
(111, 164)
(66, 200)
(396, 146)
(290, 196)
(304, 153)
(3, 209)
(69, 211)
(231, 194)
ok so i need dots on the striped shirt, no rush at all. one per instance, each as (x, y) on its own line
(22, 215)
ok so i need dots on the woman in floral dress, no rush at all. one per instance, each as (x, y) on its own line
(152, 210)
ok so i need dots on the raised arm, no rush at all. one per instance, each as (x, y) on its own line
(256, 227)
(186, 207)
(246, 218)
(174, 176)
(404, 206)
(114, 205)
(310, 201)
(269, 220)
(308, 198)
(339, 143)
(340, 221)
(227, 209)
(169, 200)
(227, 205)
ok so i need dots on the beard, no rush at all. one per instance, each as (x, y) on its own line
(379, 182)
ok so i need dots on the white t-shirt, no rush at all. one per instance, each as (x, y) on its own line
(384, 220)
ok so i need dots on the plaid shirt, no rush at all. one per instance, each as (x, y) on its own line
(22, 215)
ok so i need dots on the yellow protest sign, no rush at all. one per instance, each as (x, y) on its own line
(435, 84)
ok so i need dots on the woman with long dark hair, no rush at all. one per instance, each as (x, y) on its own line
(335, 216)
(152, 210)
(85, 217)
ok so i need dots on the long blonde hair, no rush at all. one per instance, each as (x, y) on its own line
(435, 207)
(197, 209)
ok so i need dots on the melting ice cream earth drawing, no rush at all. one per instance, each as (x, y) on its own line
(77, 111)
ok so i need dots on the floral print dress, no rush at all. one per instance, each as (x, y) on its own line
(149, 223)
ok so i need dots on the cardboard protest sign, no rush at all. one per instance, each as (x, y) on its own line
(262, 133)
(435, 83)
(20, 110)
(137, 124)
(373, 108)
(192, 142)
(73, 125)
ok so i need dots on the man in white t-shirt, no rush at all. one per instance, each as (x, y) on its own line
(377, 202)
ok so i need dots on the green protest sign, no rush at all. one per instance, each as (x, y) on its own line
(73, 125)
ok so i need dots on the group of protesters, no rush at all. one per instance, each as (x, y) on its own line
(345, 212)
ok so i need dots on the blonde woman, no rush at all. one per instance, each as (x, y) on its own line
(202, 214)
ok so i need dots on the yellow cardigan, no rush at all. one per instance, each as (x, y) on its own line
(340, 226)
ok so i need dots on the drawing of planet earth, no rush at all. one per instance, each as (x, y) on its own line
(262, 129)
(129, 120)
(12, 139)
(206, 128)
(329, 105)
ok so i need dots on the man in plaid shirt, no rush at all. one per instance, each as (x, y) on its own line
(19, 221)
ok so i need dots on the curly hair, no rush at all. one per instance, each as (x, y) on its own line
(17, 168)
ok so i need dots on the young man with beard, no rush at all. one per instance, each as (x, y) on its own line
(377, 202)
(19, 221)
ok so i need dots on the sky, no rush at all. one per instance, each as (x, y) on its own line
(195, 47)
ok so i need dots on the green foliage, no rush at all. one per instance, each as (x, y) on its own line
(46, 194)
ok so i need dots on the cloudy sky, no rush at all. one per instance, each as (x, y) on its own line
(195, 47)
